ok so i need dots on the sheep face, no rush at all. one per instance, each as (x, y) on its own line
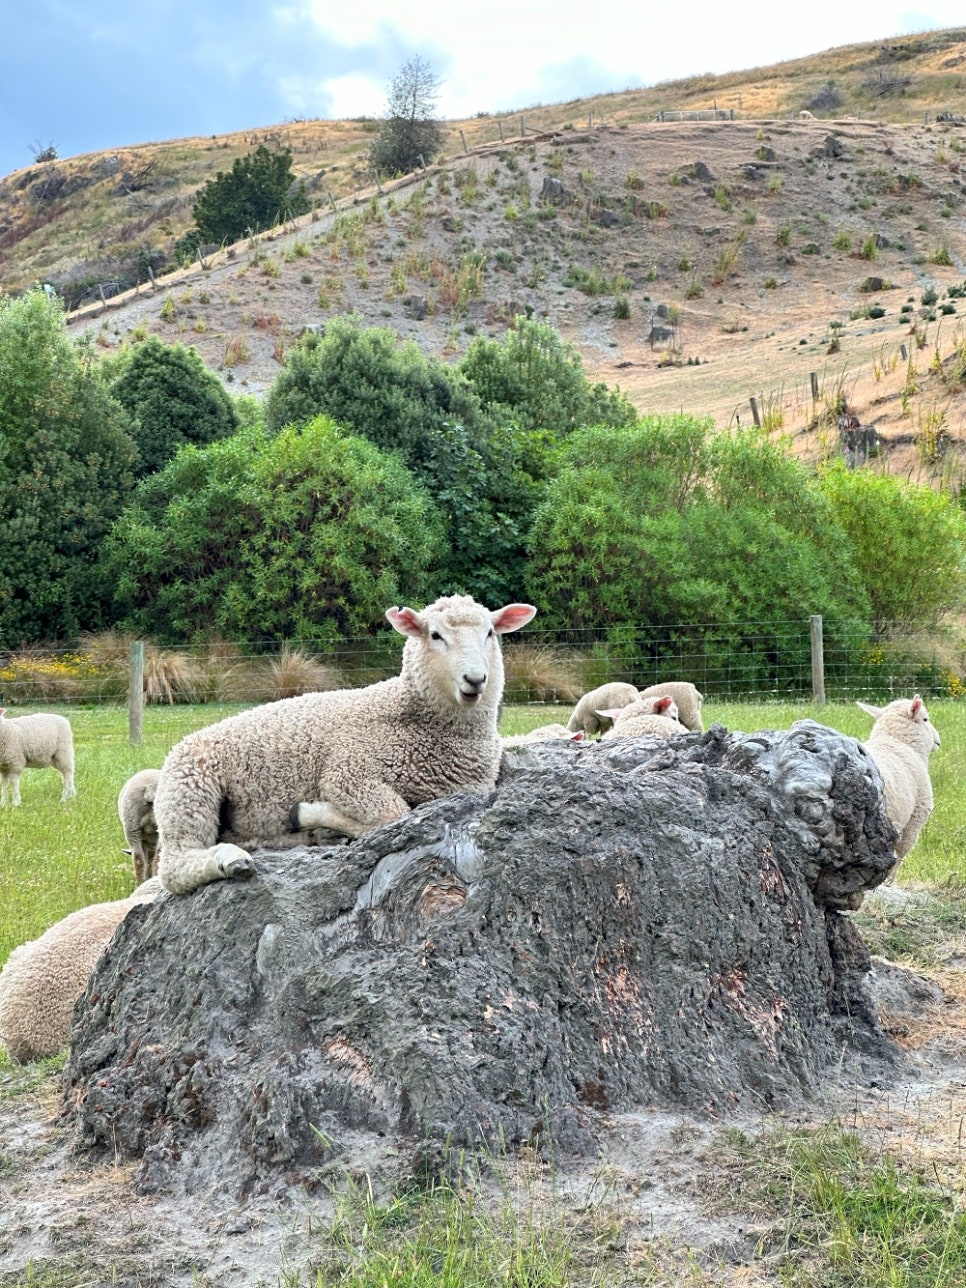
(908, 721)
(452, 647)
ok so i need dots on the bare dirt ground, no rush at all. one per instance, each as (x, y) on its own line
(747, 241)
(673, 1195)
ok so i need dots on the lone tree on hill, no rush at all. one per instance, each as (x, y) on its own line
(410, 134)
(254, 194)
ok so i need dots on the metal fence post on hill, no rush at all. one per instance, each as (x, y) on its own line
(818, 660)
(135, 693)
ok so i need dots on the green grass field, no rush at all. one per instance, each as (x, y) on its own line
(845, 1213)
(55, 858)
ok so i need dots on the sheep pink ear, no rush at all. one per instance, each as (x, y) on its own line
(917, 705)
(576, 737)
(662, 704)
(610, 714)
(512, 617)
(869, 709)
(405, 620)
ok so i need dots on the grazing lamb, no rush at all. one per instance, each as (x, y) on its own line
(348, 759)
(900, 743)
(543, 733)
(35, 742)
(647, 717)
(42, 979)
(135, 805)
(686, 697)
(585, 714)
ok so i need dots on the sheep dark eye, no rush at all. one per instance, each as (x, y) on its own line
(435, 635)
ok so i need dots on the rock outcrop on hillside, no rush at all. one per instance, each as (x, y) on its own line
(613, 926)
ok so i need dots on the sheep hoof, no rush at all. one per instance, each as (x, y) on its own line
(234, 863)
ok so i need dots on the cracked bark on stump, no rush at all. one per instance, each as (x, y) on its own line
(614, 926)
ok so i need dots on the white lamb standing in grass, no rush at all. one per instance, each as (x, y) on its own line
(135, 807)
(543, 733)
(585, 714)
(655, 717)
(901, 742)
(347, 760)
(42, 979)
(35, 742)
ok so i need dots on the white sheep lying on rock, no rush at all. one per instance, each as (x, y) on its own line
(135, 806)
(347, 760)
(655, 717)
(35, 742)
(543, 733)
(42, 979)
(901, 742)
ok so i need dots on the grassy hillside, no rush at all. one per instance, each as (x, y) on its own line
(815, 265)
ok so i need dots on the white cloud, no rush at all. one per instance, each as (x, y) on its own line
(505, 54)
(353, 96)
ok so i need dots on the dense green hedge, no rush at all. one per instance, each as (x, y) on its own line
(372, 474)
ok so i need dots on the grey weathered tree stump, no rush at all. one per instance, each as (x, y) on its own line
(614, 926)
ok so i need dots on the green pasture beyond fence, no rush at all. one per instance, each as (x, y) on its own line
(794, 660)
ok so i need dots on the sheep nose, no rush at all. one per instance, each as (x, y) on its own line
(474, 681)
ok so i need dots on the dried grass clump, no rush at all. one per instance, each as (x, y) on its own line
(541, 673)
(172, 677)
(294, 672)
(291, 674)
(107, 649)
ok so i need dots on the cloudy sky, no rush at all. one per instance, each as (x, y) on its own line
(91, 74)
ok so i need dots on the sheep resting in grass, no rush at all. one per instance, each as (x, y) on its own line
(686, 697)
(135, 806)
(43, 979)
(35, 742)
(587, 713)
(346, 760)
(655, 717)
(542, 733)
(901, 742)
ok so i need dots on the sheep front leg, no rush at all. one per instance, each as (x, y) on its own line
(11, 781)
(354, 818)
(182, 871)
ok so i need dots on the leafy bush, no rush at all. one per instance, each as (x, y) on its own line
(310, 534)
(667, 522)
(908, 544)
(255, 194)
(173, 400)
(484, 475)
(535, 376)
(66, 471)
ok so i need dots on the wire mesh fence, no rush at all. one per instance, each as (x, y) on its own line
(754, 661)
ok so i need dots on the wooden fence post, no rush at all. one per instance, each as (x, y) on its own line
(135, 693)
(754, 411)
(465, 148)
(500, 128)
(818, 660)
(813, 375)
